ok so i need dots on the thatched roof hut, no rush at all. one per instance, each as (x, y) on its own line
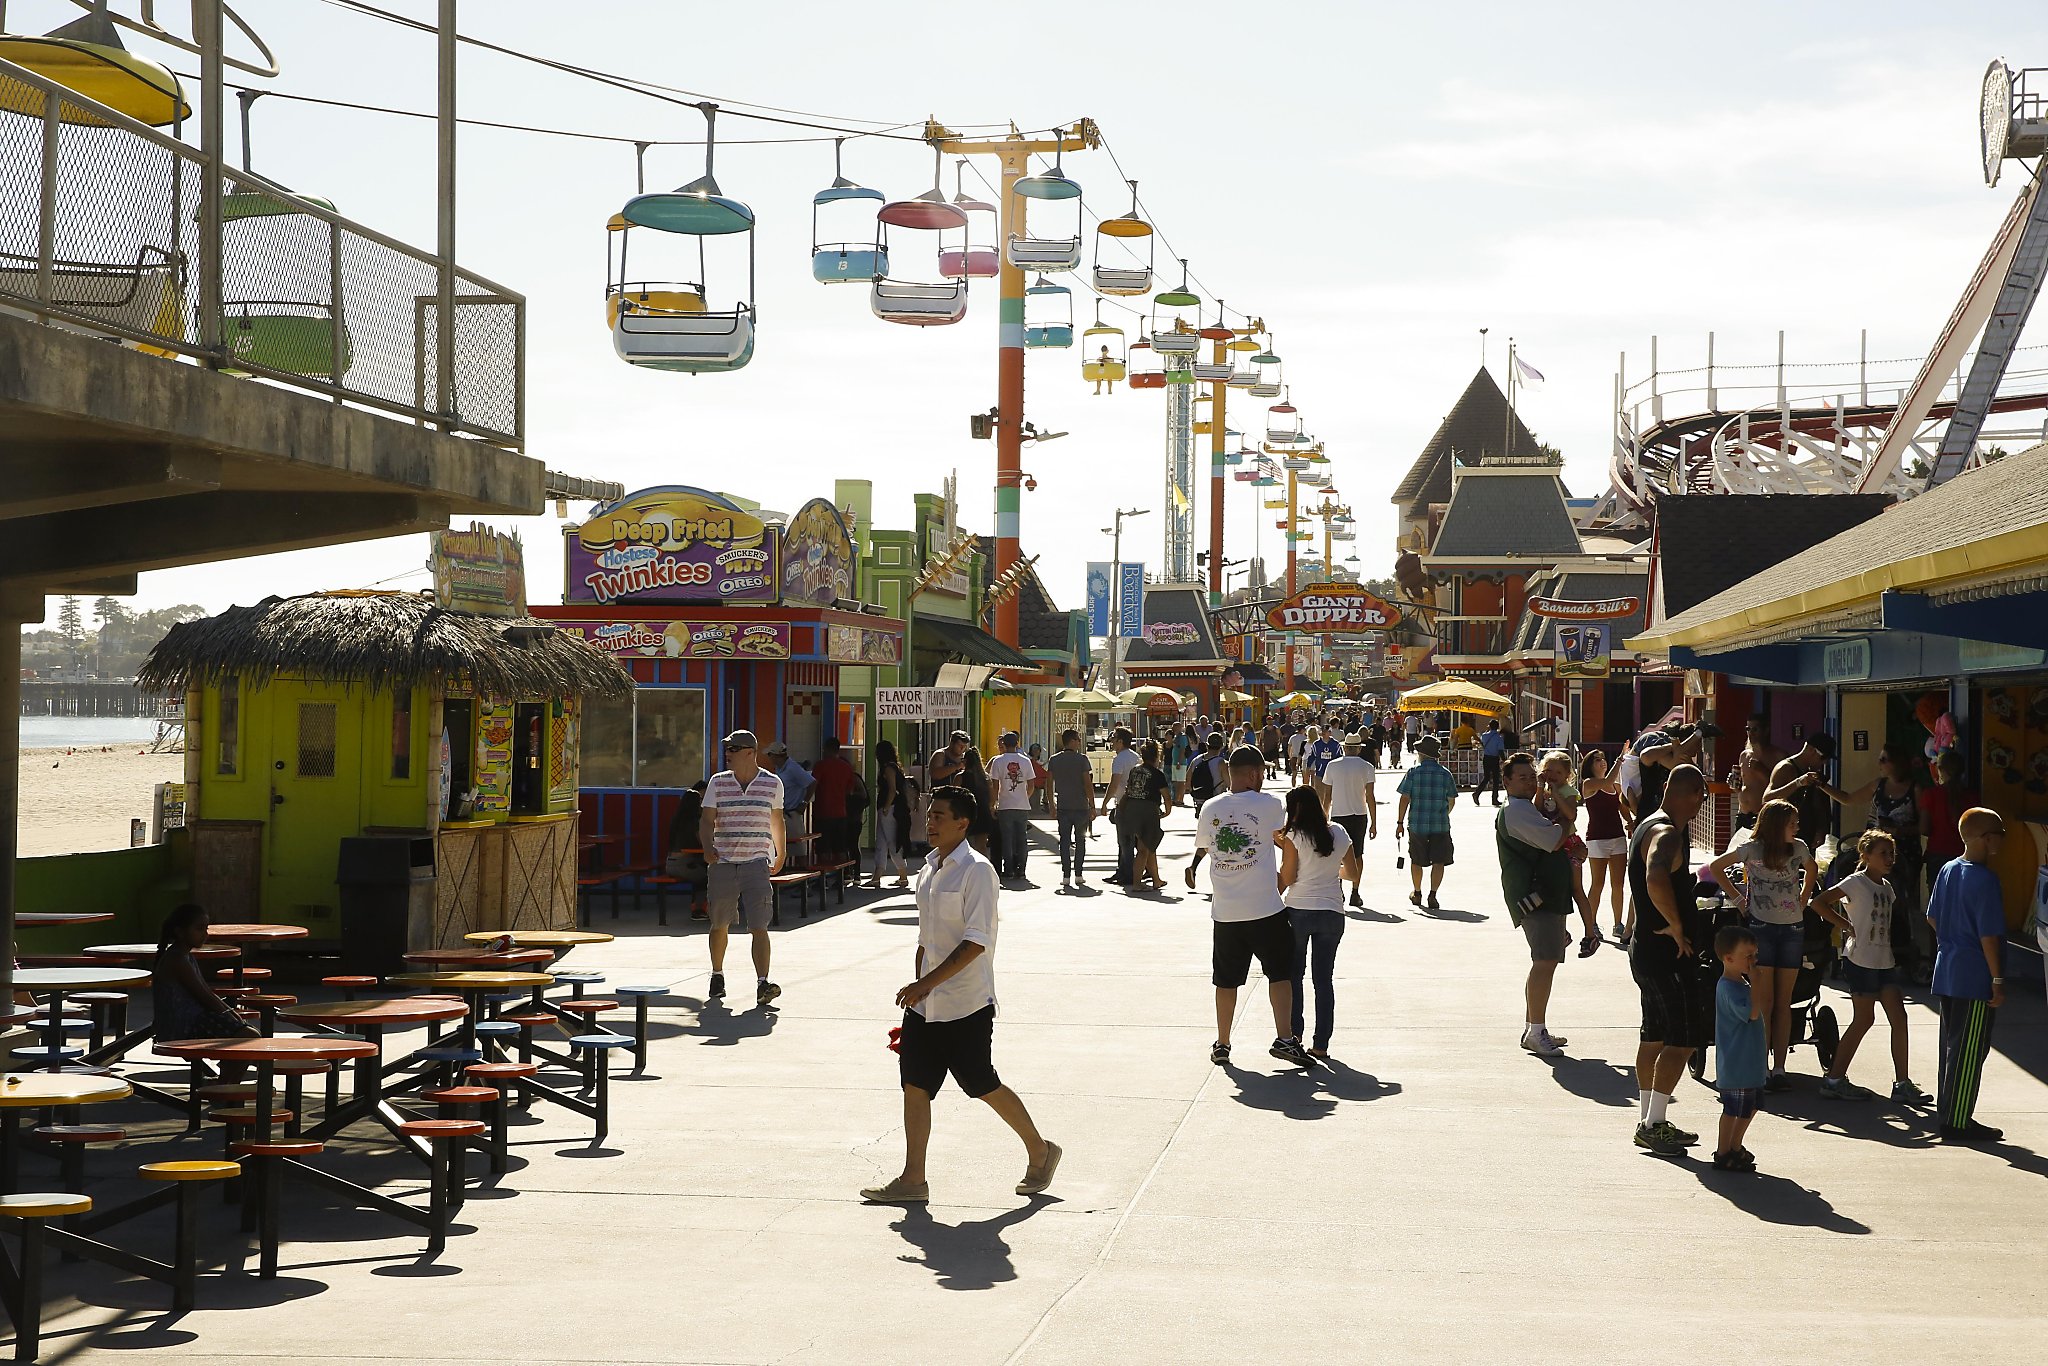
(380, 640)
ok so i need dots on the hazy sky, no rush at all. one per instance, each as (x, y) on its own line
(1378, 181)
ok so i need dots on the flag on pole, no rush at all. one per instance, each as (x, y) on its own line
(1528, 373)
(1180, 499)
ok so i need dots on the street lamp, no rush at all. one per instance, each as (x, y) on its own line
(1116, 584)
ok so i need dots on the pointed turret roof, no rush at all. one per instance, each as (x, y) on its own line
(1476, 426)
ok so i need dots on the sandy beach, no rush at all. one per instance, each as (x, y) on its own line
(83, 799)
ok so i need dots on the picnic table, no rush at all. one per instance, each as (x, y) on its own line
(462, 959)
(43, 920)
(374, 1085)
(56, 982)
(474, 986)
(253, 935)
(63, 1091)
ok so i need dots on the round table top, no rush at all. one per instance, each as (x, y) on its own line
(60, 1088)
(78, 979)
(31, 920)
(239, 932)
(542, 939)
(405, 1010)
(284, 1048)
(473, 981)
(205, 953)
(458, 959)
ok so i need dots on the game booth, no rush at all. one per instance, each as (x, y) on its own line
(727, 617)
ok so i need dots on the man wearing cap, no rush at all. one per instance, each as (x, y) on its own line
(945, 766)
(796, 781)
(1349, 779)
(1428, 792)
(744, 839)
(1493, 747)
(1798, 780)
(1010, 776)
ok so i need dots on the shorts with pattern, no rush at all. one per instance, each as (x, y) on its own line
(1678, 1011)
(1743, 1102)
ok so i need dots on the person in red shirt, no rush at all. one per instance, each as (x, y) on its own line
(838, 831)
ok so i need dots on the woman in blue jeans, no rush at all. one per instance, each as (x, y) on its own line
(1315, 859)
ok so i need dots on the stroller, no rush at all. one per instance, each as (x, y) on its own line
(1812, 1023)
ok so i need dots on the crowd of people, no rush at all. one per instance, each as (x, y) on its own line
(1719, 969)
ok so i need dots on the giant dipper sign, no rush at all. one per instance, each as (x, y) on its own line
(1333, 609)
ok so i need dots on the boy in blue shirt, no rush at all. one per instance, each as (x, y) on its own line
(1967, 911)
(1739, 1048)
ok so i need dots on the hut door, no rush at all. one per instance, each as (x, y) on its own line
(315, 757)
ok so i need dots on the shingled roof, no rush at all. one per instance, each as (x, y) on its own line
(1518, 513)
(1477, 425)
(1175, 606)
(1578, 585)
(1041, 625)
(1708, 543)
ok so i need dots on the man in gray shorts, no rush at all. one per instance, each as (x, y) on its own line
(1536, 881)
(744, 840)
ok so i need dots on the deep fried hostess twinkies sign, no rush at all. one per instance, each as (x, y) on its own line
(1331, 609)
(672, 545)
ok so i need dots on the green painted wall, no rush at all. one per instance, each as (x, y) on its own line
(138, 885)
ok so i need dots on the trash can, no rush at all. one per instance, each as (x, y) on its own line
(387, 887)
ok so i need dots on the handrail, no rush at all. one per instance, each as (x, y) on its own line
(137, 187)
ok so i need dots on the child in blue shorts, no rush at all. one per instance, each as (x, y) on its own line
(1861, 905)
(1739, 1047)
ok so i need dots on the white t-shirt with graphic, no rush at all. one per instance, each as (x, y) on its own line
(1236, 829)
(1774, 893)
(1867, 902)
(1009, 776)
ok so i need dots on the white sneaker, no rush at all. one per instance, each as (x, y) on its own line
(1539, 1042)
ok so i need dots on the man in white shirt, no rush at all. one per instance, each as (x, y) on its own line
(949, 1010)
(1124, 760)
(1297, 745)
(744, 838)
(1349, 781)
(1010, 778)
(1238, 831)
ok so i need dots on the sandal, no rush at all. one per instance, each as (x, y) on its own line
(1590, 945)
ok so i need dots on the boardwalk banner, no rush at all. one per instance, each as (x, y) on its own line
(1333, 609)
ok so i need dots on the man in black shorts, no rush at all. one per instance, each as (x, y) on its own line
(949, 1010)
(1237, 831)
(1678, 1001)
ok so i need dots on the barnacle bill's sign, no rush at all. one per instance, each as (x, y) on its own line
(672, 545)
(1333, 609)
(1598, 609)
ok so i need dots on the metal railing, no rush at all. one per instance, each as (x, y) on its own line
(100, 232)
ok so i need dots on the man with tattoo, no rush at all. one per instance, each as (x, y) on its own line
(1677, 1004)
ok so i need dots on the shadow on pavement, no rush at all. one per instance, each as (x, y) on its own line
(1596, 1079)
(1447, 913)
(721, 1027)
(1777, 1200)
(1308, 1096)
(966, 1256)
(1875, 1121)
(1378, 917)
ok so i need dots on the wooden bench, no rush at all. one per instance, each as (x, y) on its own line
(802, 879)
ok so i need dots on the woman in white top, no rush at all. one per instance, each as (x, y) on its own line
(1862, 905)
(1778, 879)
(1315, 858)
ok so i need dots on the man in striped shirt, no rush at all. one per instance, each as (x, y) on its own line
(744, 841)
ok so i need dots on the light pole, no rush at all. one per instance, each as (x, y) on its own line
(1116, 585)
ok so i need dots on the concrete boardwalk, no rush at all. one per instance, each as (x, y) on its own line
(1439, 1195)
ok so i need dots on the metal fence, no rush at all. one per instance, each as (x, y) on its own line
(101, 232)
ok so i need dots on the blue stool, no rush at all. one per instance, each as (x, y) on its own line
(451, 1061)
(640, 995)
(576, 980)
(495, 1035)
(592, 1048)
(54, 1058)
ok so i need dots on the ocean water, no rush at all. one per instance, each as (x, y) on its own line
(62, 732)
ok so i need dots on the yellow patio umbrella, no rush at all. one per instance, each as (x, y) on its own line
(1297, 699)
(1457, 694)
(1233, 698)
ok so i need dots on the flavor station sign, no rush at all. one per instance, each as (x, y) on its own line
(1331, 609)
(1598, 609)
(673, 545)
(688, 639)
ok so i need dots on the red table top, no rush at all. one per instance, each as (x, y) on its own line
(205, 953)
(285, 1048)
(239, 932)
(480, 958)
(30, 920)
(404, 1010)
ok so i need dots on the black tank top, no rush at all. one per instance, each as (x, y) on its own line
(1684, 886)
